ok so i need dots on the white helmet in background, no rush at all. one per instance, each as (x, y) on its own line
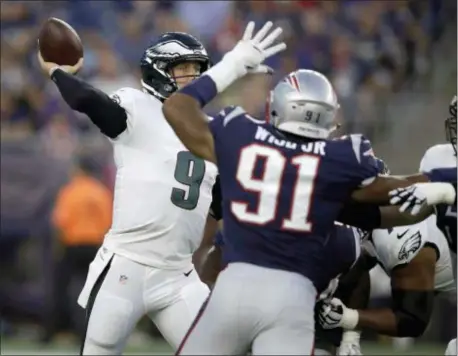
(304, 104)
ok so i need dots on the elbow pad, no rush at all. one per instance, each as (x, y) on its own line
(412, 310)
(103, 111)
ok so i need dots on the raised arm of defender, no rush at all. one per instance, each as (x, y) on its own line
(183, 110)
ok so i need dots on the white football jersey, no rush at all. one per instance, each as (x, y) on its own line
(400, 245)
(162, 192)
(438, 156)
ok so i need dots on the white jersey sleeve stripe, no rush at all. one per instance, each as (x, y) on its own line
(356, 145)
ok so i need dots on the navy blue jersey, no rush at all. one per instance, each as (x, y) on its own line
(338, 256)
(281, 195)
(446, 222)
(446, 175)
(341, 254)
(446, 214)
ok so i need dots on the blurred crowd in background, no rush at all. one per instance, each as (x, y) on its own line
(393, 65)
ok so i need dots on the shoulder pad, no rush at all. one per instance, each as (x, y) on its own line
(399, 245)
(231, 112)
(227, 110)
(361, 146)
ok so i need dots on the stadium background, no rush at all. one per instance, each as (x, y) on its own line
(393, 65)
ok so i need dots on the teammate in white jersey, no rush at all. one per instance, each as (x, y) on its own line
(417, 259)
(161, 201)
(444, 156)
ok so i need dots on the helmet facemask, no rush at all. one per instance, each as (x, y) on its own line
(188, 70)
(170, 50)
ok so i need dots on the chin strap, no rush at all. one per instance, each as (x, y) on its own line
(150, 90)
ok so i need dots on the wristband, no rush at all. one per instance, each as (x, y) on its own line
(446, 175)
(225, 73)
(350, 319)
(203, 90)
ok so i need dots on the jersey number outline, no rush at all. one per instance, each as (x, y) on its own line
(268, 187)
(190, 171)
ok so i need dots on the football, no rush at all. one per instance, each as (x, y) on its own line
(59, 43)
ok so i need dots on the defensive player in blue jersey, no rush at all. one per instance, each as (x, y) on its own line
(284, 184)
(343, 250)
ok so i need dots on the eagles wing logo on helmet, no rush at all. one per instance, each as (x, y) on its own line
(410, 246)
(168, 50)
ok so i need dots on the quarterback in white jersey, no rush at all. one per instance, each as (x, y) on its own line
(162, 198)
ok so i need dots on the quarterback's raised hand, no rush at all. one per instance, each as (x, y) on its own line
(252, 50)
(334, 314)
(49, 67)
(183, 110)
(416, 196)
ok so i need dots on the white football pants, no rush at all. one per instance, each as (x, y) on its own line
(119, 292)
(451, 348)
(267, 310)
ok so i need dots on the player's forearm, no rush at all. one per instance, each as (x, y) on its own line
(185, 116)
(408, 317)
(183, 110)
(355, 293)
(382, 321)
(391, 216)
(415, 178)
(360, 215)
(212, 266)
(200, 255)
(107, 115)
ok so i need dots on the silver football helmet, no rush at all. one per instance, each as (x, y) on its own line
(304, 104)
